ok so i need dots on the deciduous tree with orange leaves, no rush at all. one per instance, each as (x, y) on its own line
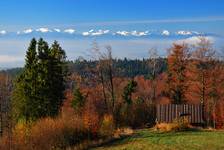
(91, 118)
(177, 67)
(203, 84)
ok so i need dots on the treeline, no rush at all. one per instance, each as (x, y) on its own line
(13, 72)
(124, 67)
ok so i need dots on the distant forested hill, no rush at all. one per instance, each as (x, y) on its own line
(123, 67)
(12, 72)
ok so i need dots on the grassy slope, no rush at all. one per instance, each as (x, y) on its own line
(150, 140)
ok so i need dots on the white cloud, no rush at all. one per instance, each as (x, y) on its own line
(96, 33)
(43, 30)
(133, 33)
(166, 33)
(57, 30)
(106, 31)
(136, 33)
(3, 32)
(27, 31)
(70, 31)
(123, 33)
(195, 40)
(100, 32)
(85, 33)
(184, 33)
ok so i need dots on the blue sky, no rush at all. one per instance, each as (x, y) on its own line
(131, 27)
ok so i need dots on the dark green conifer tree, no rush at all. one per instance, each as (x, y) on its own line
(24, 95)
(39, 89)
(78, 99)
(128, 90)
(57, 72)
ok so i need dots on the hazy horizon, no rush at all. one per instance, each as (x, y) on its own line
(130, 27)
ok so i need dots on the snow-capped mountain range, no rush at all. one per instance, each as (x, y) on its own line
(101, 32)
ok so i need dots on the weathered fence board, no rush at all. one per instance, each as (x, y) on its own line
(167, 113)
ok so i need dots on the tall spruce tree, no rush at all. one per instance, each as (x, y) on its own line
(56, 74)
(43, 69)
(39, 89)
(24, 95)
(30, 80)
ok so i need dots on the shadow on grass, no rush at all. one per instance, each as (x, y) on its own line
(113, 142)
(149, 134)
(144, 134)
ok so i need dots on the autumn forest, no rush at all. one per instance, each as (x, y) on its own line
(82, 103)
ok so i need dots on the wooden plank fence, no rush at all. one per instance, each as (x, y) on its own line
(167, 113)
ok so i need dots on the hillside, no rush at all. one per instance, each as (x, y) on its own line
(123, 67)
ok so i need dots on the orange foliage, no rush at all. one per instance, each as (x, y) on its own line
(144, 89)
(91, 118)
(177, 68)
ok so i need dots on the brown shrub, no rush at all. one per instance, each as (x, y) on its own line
(107, 126)
(178, 124)
(123, 132)
(166, 127)
(59, 133)
(46, 134)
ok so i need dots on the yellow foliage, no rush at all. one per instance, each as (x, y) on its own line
(123, 132)
(178, 124)
(107, 126)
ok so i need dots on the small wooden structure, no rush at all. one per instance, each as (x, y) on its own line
(167, 113)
